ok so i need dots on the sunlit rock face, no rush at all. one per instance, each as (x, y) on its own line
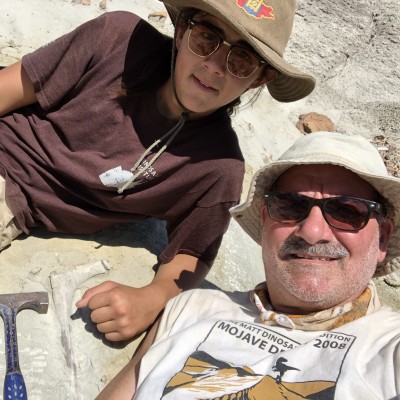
(352, 48)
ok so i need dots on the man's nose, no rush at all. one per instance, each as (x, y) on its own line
(314, 228)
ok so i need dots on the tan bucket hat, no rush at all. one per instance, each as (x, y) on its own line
(266, 25)
(352, 152)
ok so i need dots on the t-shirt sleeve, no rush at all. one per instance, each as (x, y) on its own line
(57, 67)
(180, 306)
(199, 232)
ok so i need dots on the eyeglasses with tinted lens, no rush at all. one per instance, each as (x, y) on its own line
(345, 213)
(203, 41)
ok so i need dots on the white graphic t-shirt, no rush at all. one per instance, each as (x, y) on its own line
(212, 345)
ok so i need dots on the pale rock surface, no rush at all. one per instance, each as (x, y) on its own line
(353, 50)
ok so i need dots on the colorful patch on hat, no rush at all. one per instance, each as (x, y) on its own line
(256, 8)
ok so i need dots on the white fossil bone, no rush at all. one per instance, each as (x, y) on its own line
(63, 287)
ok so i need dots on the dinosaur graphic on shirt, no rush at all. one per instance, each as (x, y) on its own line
(281, 368)
(204, 377)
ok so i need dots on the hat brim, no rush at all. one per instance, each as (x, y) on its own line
(292, 84)
(248, 214)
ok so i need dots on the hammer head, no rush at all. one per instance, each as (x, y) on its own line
(38, 301)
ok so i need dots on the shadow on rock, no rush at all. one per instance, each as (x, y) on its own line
(149, 234)
(84, 315)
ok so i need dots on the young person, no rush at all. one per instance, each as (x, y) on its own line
(327, 216)
(114, 122)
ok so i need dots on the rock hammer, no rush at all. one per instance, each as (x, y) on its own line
(10, 305)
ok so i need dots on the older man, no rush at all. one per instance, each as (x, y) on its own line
(328, 219)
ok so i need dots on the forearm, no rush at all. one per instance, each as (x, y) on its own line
(121, 311)
(182, 273)
(16, 89)
(123, 385)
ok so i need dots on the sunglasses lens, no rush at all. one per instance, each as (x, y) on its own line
(346, 214)
(203, 41)
(287, 207)
(242, 62)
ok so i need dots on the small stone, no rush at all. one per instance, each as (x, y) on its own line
(314, 122)
(157, 19)
(158, 15)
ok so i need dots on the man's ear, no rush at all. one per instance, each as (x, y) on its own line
(268, 75)
(386, 228)
(263, 216)
(263, 212)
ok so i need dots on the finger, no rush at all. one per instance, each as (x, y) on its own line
(81, 303)
(103, 287)
(114, 333)
(116, 337)
(113, 298)
(107, 327)
(102, 315)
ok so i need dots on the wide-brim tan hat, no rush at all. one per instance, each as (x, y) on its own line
(266, 26)
(350, 151)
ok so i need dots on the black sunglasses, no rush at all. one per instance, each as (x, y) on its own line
(343, 212)
(203, 41)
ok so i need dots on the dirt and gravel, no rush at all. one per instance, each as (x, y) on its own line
(353, 50)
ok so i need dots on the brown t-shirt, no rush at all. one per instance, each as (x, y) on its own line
(64, 157)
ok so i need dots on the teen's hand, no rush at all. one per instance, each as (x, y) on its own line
(120, 311)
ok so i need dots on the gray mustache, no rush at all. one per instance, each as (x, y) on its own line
(335, 250)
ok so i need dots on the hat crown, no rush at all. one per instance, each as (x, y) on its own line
(353, 152)
(269, 21)
(266, 25)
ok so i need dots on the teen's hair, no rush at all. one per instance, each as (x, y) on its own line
(149, 70)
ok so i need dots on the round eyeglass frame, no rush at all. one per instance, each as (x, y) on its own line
(221, 41)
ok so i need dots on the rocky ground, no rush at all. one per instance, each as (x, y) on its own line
(353, 50)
